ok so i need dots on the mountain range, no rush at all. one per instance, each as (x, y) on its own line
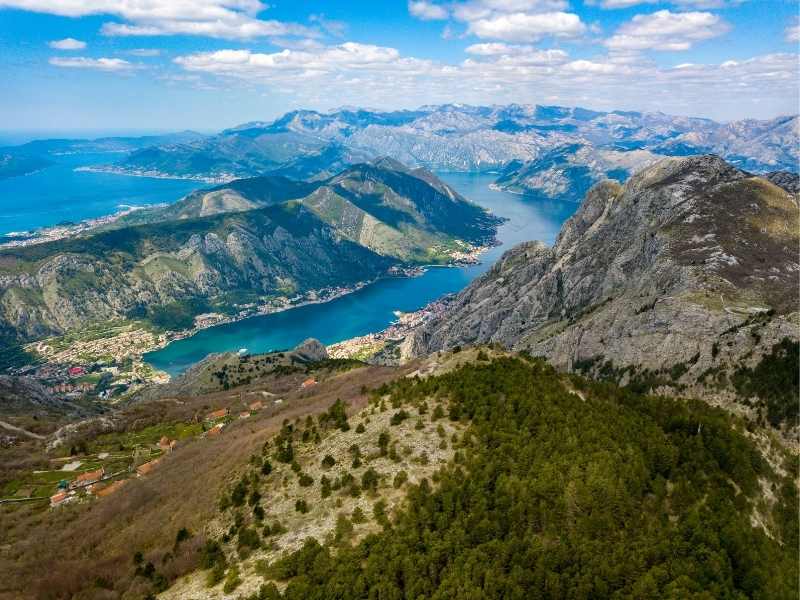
(266, 237)
(465, 138)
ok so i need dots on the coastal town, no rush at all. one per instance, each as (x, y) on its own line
(105, 361)
(63, 230)
(156, 174)
(366, 347)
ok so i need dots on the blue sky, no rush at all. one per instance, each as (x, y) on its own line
(70, 65)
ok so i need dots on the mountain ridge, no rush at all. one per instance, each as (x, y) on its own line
(261, 237)
(472, 138)
(672, 268)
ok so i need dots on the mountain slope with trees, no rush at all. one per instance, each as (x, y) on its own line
(253, 238)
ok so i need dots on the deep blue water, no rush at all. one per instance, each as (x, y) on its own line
(371, 308)
(58, 193)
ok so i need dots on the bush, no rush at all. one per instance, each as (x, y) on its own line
(358, 515)
(398, 417)
(239, 494)
(301, 506)
(305, 480)
(182, 535)
(215, 575)
(379, 512)
(343, 531)
(248, 540)
(266, 468)
(400, 479)
(336, 416)
(383, 442)
(325, 485)
(211, 554)
(328, 461)
(370, 479)
(232, 580)
(360, 428)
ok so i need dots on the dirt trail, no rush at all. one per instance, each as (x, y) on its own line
(35, 436)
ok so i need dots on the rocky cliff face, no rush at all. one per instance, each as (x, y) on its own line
(692, 262)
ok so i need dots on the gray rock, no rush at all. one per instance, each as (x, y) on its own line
(657, 272)
(311, 350)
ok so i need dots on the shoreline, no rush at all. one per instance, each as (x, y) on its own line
(112, 170)
(117, 346)
(405, 272)
(52, 233)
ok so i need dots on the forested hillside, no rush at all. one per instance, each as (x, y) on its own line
(594, 493)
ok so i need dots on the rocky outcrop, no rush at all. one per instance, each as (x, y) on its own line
(692, 262)
(311, 350)
(786, 180)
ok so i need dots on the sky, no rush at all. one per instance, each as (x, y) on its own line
(157, 65)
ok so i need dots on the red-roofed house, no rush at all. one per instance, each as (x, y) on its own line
(308, 383)
(58, 498)
(165, 444)
(257, 405)
(217, 414)
(88, 478)
(75, 371)
(146, 467)
(215, 430)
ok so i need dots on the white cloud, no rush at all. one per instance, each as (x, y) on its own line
(517, 55)
(701, 4)
(100, 64)
(349, 56)
(472, 10)
(229, 19)
(665, 30)
(365, 75)
(427, 11)
(792, 33)
(507, 20)
(330, 26)
(493, 49)
(523, 27)
(67, 44)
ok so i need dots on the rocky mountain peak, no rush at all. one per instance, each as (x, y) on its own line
(658, 272)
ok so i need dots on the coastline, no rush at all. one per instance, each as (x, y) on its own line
(53, 233)
(112, 170)
(131, 341)
(469, 258)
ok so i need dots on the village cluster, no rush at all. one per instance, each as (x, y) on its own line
(102, 482)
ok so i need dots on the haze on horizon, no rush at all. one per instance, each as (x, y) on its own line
(105, 65)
